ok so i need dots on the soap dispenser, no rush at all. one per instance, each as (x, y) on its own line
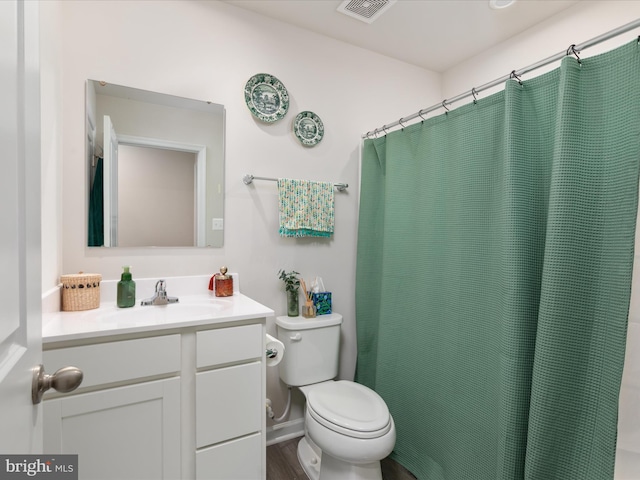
(126, 290)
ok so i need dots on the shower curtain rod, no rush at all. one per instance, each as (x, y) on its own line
(515, 74)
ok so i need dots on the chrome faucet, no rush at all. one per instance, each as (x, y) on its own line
(160, 297)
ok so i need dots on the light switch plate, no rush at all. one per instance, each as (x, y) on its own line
(217, 224)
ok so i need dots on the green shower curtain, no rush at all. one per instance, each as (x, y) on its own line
(96, 208)
(494, 263)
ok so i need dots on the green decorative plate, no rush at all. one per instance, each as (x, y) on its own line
(266, 97)
(308, 128)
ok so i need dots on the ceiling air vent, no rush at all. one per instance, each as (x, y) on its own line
(365, 10)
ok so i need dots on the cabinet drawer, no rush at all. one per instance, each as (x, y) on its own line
(118, 361)
(226, 345)
(235, 460)
(228, 403)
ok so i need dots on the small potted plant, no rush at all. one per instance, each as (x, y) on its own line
(291, 286)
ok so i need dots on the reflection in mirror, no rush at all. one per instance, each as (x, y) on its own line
(156, 169)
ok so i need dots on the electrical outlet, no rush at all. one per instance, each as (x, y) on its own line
(217, 224)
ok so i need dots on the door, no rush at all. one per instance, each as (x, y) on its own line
(20, 282)
(110, 187)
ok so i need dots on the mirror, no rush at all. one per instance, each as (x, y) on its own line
(156, 169)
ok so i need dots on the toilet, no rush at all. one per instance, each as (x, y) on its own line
(348, 427)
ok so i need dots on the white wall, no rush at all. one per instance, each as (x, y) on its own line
(51, 131)
(576, 25)
(208, 51)
(628, 453)
(586, 20)
(156, 192)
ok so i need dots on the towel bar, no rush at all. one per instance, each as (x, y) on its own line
(248, 179)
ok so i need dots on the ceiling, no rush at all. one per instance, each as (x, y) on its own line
(434, 34)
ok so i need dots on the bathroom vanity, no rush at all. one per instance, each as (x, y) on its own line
(169, 392)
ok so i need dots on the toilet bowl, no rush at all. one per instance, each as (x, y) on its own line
(352, 427)
(348, 427)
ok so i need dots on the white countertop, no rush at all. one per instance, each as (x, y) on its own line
(107, 320)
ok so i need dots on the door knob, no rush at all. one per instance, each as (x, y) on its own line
(64, 380)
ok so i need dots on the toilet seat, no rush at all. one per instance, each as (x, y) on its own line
(350, 409)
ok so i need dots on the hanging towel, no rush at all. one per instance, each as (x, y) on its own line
(306, 208)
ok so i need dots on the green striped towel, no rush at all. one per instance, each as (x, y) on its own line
(306, 208)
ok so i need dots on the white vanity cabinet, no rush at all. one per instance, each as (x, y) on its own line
(126, 424)
(182, 403)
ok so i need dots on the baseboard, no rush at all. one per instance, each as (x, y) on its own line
(281, 432)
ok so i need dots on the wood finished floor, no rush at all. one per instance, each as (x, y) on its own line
(282, 464)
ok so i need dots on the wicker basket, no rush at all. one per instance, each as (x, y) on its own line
(80, 291)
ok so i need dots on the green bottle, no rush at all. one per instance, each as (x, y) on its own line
(126, 290)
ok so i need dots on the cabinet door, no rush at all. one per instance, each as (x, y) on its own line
(130, 432)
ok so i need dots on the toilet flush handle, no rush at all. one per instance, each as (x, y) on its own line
(296, 337)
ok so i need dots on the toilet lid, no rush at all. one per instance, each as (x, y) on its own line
(349, 408)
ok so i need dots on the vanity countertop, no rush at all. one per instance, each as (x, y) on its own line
(108, 319)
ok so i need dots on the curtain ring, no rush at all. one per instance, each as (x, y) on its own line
(474, 93)
(515, 76)
(444, 105)
(572, 50)
(401, 124)
(420, 115)
(384, 127)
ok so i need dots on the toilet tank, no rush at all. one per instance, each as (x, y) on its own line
(311, 348)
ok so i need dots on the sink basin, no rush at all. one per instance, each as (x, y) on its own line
(159, 314)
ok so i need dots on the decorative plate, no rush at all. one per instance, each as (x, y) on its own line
(308, 128)
(266, 97)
